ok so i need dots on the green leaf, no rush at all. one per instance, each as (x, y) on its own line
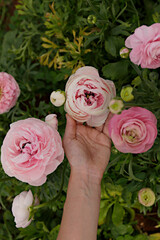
(104, 208)
(115, 71)
(113, 45)
(110, 46)
(130, 171)
(118, 214)
(141, 237)
(54, 233)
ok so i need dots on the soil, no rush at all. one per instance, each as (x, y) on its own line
(147, 223)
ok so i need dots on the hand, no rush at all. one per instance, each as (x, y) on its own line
(87, 149)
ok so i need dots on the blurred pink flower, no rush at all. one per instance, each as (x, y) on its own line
(134, 130)
(20, 209)
(31, 150)
(9, 92)
(145, 44)
(88, 96)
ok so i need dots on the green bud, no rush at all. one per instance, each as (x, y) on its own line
(91, 19)
(154, 76)
(124, 52)
(146, 197)
(126, 94)
(136, 81)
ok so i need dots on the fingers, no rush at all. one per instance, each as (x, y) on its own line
(100, 128)
(105, 127)
(70, 131)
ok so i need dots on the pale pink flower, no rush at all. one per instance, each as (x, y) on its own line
(20, 208)
(31, 150)
(51, 119)
(145, 44)
(9, 92)
(88, 96)
(134, 130)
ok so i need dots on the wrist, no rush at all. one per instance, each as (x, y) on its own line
(83, 186)
(89, 176)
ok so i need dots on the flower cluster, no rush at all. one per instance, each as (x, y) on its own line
(32, 149)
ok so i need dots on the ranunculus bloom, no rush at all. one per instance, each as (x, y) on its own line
(9, 92)
(88, 96)
(134, 130)
(145, 44)
(20, 208)
(31, 150)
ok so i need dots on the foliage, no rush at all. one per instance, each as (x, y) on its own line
(42, 44)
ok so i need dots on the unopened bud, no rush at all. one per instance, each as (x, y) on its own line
(124, 52)
(57, 98)
(126, 94)
(146, 197)
(91, 19)
(136, 81)
(51, 120)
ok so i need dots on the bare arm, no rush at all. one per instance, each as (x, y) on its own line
(88, 151)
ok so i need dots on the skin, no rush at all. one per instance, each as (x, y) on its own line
(88, 152)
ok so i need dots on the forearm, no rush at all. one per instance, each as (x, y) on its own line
(81, 209)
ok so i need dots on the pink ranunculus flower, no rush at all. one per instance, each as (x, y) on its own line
(9, 92)
(145, 44)
(31, 150)
(88, 96)
(134, 130)
(20, 208)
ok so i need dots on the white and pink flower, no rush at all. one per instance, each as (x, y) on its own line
(9, 92)
(88, 96)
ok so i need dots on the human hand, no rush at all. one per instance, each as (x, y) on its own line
(87, 149)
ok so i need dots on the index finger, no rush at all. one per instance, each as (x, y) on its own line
(105, 127)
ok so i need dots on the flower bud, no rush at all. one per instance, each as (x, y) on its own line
(116, 106)
(124, 52)
(57, 98)
(51, 120)
(136, 81)
(20, 209)
(126, 93)
(146, 197)
(91, 19)
(154, 76)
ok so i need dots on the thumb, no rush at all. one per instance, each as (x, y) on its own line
(70, 131)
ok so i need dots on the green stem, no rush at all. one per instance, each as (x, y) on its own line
(58, 194)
